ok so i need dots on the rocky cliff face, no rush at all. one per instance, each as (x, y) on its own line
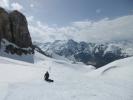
(5, 31)
(14, 28)
(19, 30)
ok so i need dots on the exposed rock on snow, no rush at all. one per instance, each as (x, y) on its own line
(11, 50)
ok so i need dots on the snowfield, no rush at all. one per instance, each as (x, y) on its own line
(24, 81)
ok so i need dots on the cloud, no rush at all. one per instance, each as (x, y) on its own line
(11, 6)
(42, 32)
(98, 31)
(16, 6)
(4, 4)
(106, 29)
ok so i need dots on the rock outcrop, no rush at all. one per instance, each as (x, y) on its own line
(19, 30)
(14, 28)
(5, 31)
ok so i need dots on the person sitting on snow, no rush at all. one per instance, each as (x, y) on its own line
(46, 77)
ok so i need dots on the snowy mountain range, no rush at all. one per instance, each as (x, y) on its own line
(96, 54)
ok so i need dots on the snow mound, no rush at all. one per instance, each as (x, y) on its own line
(118, 69)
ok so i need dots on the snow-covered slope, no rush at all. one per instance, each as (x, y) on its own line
(10, 50)
(122, 69)
(24, 81)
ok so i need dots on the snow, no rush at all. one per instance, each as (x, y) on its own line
(112, 48)
(126, 46)
(117, 69)
(6, 43)
(69, 49)
(26, 58)
(20, 80)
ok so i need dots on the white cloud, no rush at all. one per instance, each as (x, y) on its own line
(43, 32)
(30, 18)
(99, 31)
(10, 6)
(16, 6)
(4, 4)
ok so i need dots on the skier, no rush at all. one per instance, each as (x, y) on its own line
(46, 77)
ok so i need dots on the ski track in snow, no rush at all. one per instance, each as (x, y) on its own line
(24, 81)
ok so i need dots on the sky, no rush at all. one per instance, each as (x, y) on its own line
(81, 20)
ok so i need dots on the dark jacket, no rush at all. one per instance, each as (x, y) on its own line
(46, 76)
